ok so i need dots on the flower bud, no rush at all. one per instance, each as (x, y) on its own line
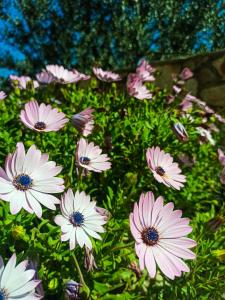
(215, 223)
(89, 260)
(186, 74)
(104, 212)
(180, 132)
(135, 268)
(84, 121)
(18, 232)
(220, 254)
(72, 290)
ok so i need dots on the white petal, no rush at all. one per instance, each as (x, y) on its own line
(8, 270)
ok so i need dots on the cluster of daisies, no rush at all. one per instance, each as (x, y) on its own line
(29, 181)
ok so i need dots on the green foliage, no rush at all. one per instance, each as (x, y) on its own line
(124, 127)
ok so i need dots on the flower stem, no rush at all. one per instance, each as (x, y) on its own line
(85, 288)
(78, 269)
(71, 169)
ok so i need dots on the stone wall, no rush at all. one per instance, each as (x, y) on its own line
(208, 82)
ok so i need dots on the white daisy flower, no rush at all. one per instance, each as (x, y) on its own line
(16, 282)
(79, 219)
(28, 180)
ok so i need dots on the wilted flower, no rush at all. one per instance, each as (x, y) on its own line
(45, 77)
(135, 268)
(221, 157)
(72, 290)
(160, 236)
(43, 117)
(16, 282)
(84, 121)
(170, 99)
(164, 169)
(28, 180)
(33, 266)
(222, 176)
(186, 74)
(205, 135)
(106, 76)
(200, 104)
(213, 127)
(180, 132)
(215, 223)
(136, 88)
(103, 212)
(108, 143)
(89, 260)
(186, 105)
(89, 157)
(79, 219)
(145, 70)
(2, 95)
(81, 75)
(219, 118)
(186, 160)
(22, 81)
(177, 89)
(62, 75)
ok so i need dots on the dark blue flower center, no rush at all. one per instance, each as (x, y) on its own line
(84, 160)
(77, 219)
(150, 236)
(2, 294)
(22, 182)
(160, 171)
(40, 125)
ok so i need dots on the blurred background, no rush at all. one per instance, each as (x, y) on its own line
(114, 34)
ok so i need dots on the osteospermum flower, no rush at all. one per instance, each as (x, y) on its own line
(106, 76)
(221, 157)
(136, 88)
(145, 70)
(43, 117)
(89, 157)
(206, 135)
(22, 81)
(16, 282)
(61, 74)
(2, 95)
(79, 219)
(164, 169)
(45, 77)
(160, 236)
(180, 132)
(84, 122)
(186, 74)
(81, 75)
(222, 176)
(28, 180)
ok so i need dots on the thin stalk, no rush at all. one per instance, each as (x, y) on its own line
(78, 269)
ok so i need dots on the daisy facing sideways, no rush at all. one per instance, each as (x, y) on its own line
(28, 180)
(89, 157)
(79, 219)
(62, 75)
(2, 95)
(106, 76)
(164, 169)
(43, 117)
(16, 282)
(84, 121)
(160, 236)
